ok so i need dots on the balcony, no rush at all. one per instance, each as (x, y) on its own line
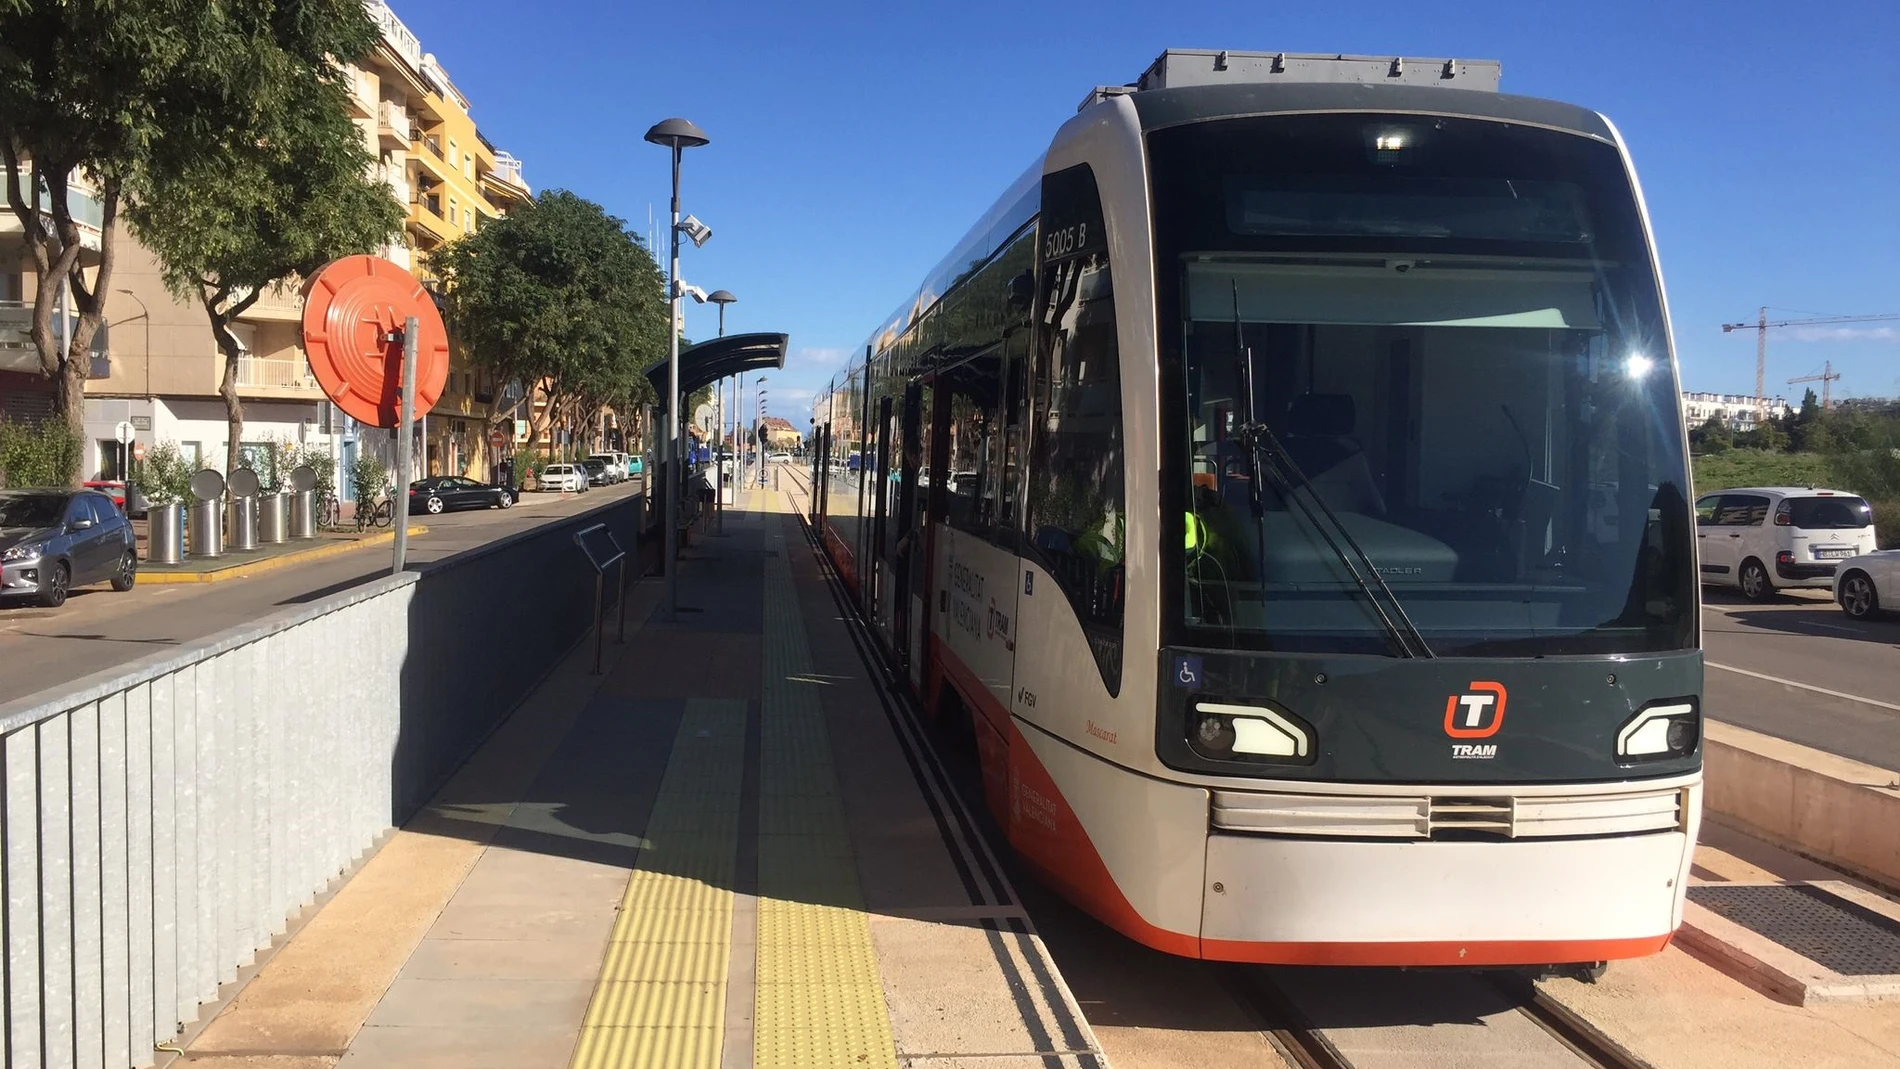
(398, 184)
(260, 373)
(427, 152)
(392, 126)
(279, 304)
(398, 37)
(362, 90)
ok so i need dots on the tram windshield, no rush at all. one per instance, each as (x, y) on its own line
(1423, 362)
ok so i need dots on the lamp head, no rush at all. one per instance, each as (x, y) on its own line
(722, 297)
(677, 133)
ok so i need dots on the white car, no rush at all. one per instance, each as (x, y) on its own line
(1868, 585)
(1769, 538)
(569, 478)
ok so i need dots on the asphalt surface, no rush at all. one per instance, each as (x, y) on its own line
(98, 629)
(1770, 667)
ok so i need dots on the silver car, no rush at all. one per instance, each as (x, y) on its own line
(54, 540)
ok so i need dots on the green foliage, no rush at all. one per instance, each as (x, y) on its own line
(1756, 467)
(369, 478)
(134, 94)
(164, 476)
(38, 454)
(318, 459)
(560, 294)
(1713, 436)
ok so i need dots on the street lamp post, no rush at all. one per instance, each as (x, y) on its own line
(758, 422)
(125, 467)
(721, 298)
(678, 135)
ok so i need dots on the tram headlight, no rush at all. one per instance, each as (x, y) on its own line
(1660, 731)
(1228, 732)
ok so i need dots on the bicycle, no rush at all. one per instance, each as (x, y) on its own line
(330, 513)
(381, 514)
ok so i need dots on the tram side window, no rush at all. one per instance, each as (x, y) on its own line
(1077, 521)
(971, 479)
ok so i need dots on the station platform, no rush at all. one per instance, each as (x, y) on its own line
(731, 848)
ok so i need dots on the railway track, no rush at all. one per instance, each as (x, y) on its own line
(1496, 1018)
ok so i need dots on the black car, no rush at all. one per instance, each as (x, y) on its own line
(54, 540)
(446, 493)
(598, 473)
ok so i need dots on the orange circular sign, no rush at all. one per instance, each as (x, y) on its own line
(353, 316)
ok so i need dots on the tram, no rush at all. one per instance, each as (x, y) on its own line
(1285, 484)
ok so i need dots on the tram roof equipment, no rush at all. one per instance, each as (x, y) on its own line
(1180, 67)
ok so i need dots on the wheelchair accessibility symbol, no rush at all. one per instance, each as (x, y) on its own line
(1187, 671)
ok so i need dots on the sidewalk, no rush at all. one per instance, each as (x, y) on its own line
(236, 563)
(716, 854)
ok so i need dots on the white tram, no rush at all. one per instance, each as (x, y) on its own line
(1286, 481)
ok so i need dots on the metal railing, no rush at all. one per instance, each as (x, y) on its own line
(163, 821)
(508, 169)
(399, 37)
(435, 147)
(275, 373)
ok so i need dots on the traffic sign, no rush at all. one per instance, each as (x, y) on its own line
(125, 432)
(497, 438)
(138, 450)
(352, 310)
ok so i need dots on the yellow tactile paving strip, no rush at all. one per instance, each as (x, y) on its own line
(819, 1002)
(661, 996)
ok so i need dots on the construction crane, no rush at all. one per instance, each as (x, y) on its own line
(1825, 378)
(1762, 326)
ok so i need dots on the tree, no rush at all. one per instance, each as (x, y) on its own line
(242, 219)
(114, 92)
(1713, 436)
(558, 295)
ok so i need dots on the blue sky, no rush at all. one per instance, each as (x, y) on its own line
(852, 144)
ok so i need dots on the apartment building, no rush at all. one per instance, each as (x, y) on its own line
(155, 363)
(1738, 410)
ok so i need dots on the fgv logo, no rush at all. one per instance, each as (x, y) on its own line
(1477, 713)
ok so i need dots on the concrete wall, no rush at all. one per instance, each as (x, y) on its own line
(1830, 808)
(163, 821)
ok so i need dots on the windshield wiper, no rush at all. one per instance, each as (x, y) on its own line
(1259, 440)
(1288, 480)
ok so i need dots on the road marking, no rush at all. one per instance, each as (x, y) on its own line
(1805, 686)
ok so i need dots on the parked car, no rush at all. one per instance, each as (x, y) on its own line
(571, 478)
(129, 501)
(1869, 585)
(599, 472)
(636, 465)
(446, 493)
(616, 464)
(779, 458)
(54, 540)
(1765, 539)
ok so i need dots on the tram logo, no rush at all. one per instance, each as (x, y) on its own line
(1476, 714)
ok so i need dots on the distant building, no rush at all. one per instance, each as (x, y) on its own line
(1735, 409)
(779, 433)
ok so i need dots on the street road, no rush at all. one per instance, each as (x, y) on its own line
(1794, 649)
(97, 629)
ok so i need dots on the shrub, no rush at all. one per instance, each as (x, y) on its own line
(369, 476)
(164, 477)
(38, 454)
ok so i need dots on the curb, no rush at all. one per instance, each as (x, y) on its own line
(239, 571)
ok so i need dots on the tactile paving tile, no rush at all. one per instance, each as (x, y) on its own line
(657, 1004)
(641, 1048)
(632, 962)
(673, 926)
(781, 962)
(1825, 928)
(653, 890)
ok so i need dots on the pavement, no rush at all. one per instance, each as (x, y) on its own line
(1799, 669)
(98, 629)
(236, 563)
(727, 850)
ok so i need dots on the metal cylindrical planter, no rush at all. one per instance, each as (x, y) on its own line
(273, 518)
(243, 523)
(165, 533)
(303, 515)
(207, 528)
